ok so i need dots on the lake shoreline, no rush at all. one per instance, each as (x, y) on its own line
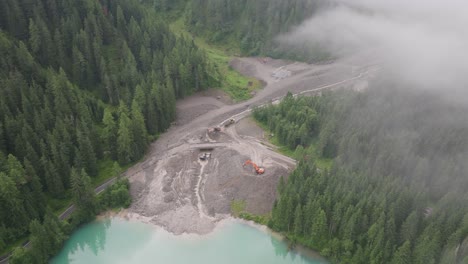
(116, 239)
(126, 215)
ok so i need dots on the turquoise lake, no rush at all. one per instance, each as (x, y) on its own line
(118, 240)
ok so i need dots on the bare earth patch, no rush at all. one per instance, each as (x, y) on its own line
(248, 127)
(173, 188)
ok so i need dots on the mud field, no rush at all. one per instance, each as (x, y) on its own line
(173, 188)
(188, 189)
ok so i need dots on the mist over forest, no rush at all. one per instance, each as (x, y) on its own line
(396, 192)
(418, 43)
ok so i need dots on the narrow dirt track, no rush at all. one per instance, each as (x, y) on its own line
(172, 188)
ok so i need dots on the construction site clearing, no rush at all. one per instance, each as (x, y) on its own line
(202, 178)
(216, 154)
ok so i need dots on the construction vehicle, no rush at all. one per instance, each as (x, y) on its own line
(229, 122)
(205, 156)
(214, 130)
(258, 170)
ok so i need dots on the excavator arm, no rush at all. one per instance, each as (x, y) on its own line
(258, 170)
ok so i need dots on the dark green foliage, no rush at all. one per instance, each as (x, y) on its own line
(262, 220)
(109, 133)
(397, 190)
(83, 195)
(21, 256)
(21, 199)
(116, 196)
(66, 67)
(125, 136)
(47, 238)
(252, 25)
(45, 241)
(295, 122)
(165, 5)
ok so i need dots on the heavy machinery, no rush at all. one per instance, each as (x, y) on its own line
(214, 130)
(229, 122)
(258, 170)
(205, 156)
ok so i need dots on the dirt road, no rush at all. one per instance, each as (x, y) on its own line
(173, 188)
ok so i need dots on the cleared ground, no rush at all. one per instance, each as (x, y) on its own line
(173, 188)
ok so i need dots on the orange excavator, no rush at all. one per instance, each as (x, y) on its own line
(258, 170)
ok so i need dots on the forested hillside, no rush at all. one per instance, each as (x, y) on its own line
(251, 25)
(396, 192)
(80, 82)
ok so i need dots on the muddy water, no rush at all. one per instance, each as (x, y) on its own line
(117, 240)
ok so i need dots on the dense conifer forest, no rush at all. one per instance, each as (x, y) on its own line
(396, 192)
(81, 82)
(251, 25)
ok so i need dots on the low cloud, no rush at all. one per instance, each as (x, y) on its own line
(423, 43)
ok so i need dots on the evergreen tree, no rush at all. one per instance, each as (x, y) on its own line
(21, 256)
(53, 180)
(54, 231)
(403, 254)
(34, 37)
(40, 245)
(110, 133)
(125, 136)
(83, 195)
(138, 131)
(319, 227)
(87, 155)
(298, 221)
